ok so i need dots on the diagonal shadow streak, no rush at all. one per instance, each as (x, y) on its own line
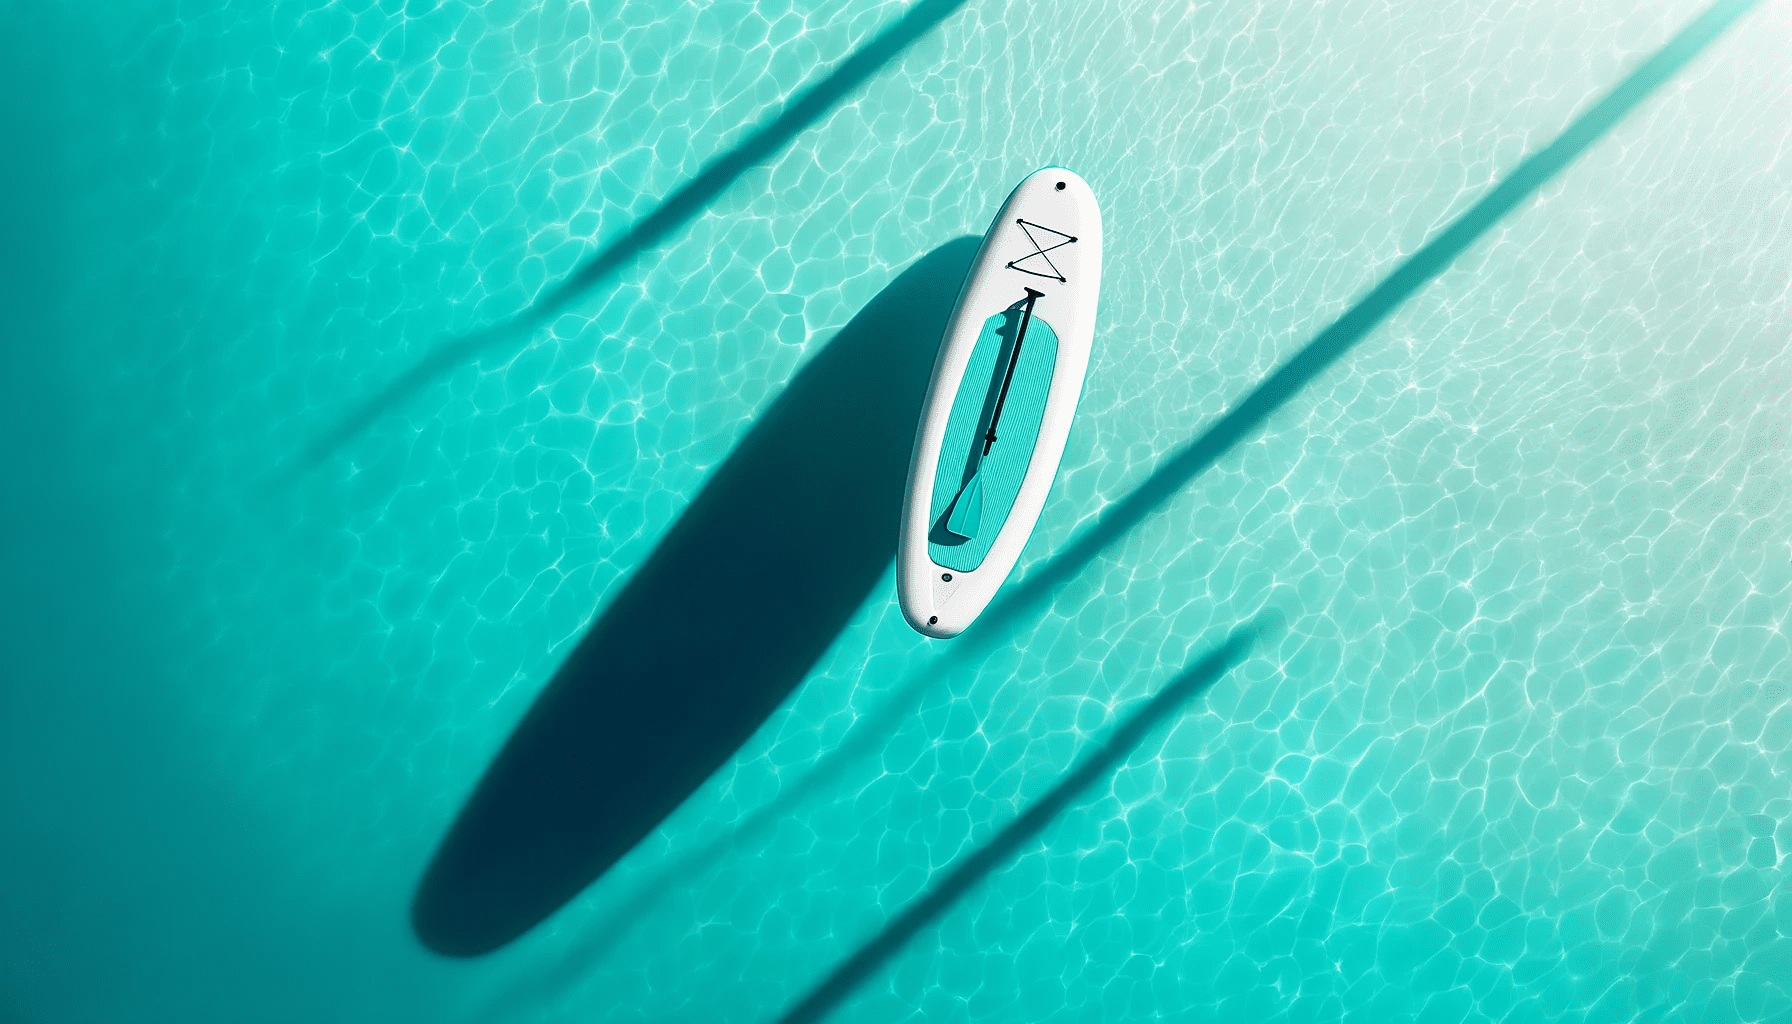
(1328, 347)
(862, 964)
(1338, 339)
(680, 207)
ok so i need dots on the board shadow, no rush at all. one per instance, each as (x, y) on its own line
(728, 614)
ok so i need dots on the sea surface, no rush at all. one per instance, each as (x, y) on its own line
(1504, 570)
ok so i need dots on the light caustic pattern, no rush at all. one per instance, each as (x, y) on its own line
(1520, 754)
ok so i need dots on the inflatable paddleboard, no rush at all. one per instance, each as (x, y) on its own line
(1004, 390)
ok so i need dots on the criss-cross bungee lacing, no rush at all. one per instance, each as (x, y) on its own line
(1040, 251)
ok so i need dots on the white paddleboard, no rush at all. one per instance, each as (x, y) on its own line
(1005, 387)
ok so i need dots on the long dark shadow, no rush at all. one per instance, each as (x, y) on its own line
(678, 208)
(710, 635)
(927, 908)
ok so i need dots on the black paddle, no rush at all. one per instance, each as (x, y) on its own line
(967, 513)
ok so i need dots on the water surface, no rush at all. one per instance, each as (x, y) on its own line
(1519, 753)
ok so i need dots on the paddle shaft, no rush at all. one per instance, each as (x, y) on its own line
(1026, 317)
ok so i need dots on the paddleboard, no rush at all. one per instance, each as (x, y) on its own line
(998, 409)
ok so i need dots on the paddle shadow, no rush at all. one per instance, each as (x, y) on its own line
(690, 199)
(729, 613)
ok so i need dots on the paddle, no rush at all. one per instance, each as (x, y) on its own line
(967, 511)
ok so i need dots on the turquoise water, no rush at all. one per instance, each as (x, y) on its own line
(1518, 750)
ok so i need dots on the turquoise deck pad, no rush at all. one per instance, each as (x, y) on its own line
(961, 453)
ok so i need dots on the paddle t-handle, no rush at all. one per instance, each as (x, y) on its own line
(1026, 317)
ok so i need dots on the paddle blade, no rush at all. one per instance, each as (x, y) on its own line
(967, 513)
